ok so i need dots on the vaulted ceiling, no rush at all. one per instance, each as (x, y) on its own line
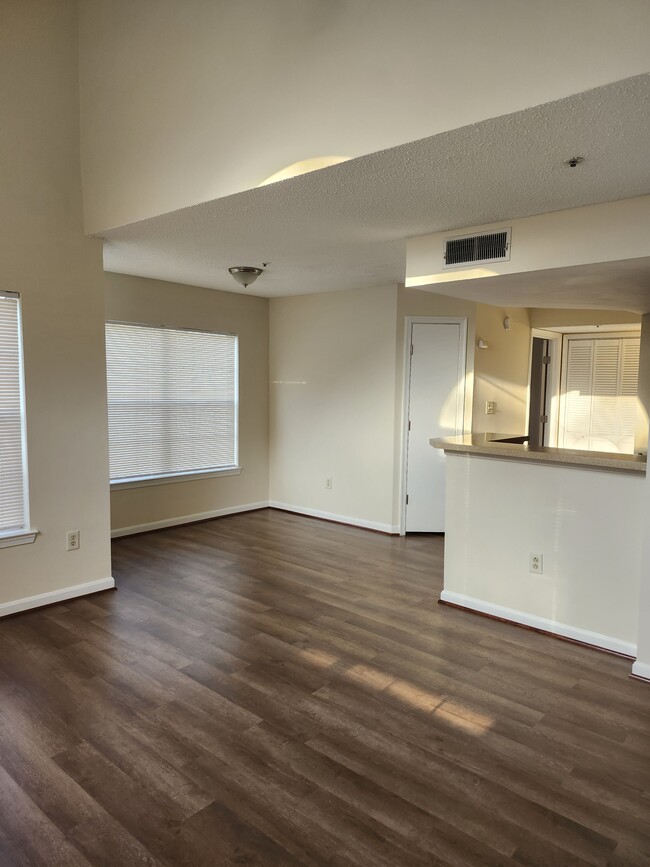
(448, 115)
(345, 226)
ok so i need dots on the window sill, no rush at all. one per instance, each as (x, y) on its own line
(124, 484)
(9, 538)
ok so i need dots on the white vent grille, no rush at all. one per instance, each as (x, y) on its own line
(483, 247)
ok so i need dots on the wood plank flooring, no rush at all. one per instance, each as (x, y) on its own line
(267, 689)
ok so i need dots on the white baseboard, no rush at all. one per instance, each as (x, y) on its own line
(595, 639)
(186, 519)
(56, 596)
(641, 669)
(393, 529)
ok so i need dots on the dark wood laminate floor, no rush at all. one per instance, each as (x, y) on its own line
(267, 689)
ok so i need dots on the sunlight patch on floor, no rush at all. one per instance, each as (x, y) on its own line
(415, 695)
(318, 658)
(367, 676)
(463, 718)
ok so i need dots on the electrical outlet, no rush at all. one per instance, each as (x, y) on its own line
(536, 563)
(490, 407)
(328, 483)
(72, 540)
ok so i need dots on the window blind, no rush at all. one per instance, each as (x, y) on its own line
(12, 457)
(172, 401)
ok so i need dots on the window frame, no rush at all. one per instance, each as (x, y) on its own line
(193, 474)
(24, 534)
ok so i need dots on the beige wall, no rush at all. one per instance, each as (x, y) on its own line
(333, 403)
(337, 392)
(45, 256)
(501, 371)
(137, 299)
(320, 78)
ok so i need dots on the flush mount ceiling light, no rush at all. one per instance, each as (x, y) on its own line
(245, 274)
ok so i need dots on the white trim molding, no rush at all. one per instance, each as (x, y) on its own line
(391, 529)
(186, 519)
(17, 537)
(148, 481)
(584, 636)
(641, 669)
(56, 596)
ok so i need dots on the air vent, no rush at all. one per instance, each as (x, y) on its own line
(484, 247)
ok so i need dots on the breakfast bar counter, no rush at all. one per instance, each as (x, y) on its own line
(544, 537)
(505, 446)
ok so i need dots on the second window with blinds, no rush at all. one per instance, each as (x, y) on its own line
(172, 403)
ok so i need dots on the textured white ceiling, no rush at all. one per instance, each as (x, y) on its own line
(345, 227)
(622, 285)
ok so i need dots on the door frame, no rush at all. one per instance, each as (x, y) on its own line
(409, 322)
(552, 385)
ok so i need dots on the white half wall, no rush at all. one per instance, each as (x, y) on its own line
(587, 524)
(332, 370)
(642, 665)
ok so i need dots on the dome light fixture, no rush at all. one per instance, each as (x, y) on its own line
(245, 274)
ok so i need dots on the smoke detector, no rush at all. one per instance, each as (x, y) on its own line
(572, 162)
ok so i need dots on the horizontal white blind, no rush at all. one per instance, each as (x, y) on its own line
(172, 400)
(12, 471)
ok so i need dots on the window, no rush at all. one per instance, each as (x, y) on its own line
(14, 519)
(172, 402)
(600, 380)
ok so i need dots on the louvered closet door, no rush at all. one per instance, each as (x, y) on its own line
(600, 394)
(578, 394)
(628, 389)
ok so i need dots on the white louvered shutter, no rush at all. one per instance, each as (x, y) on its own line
(172, 401)
(604, 430)
(601, 394)
(12, 456)
(577, 400)
(628, 389)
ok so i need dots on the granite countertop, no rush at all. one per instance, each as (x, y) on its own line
(486, 444)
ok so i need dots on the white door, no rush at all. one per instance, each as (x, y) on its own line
(436, 397)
